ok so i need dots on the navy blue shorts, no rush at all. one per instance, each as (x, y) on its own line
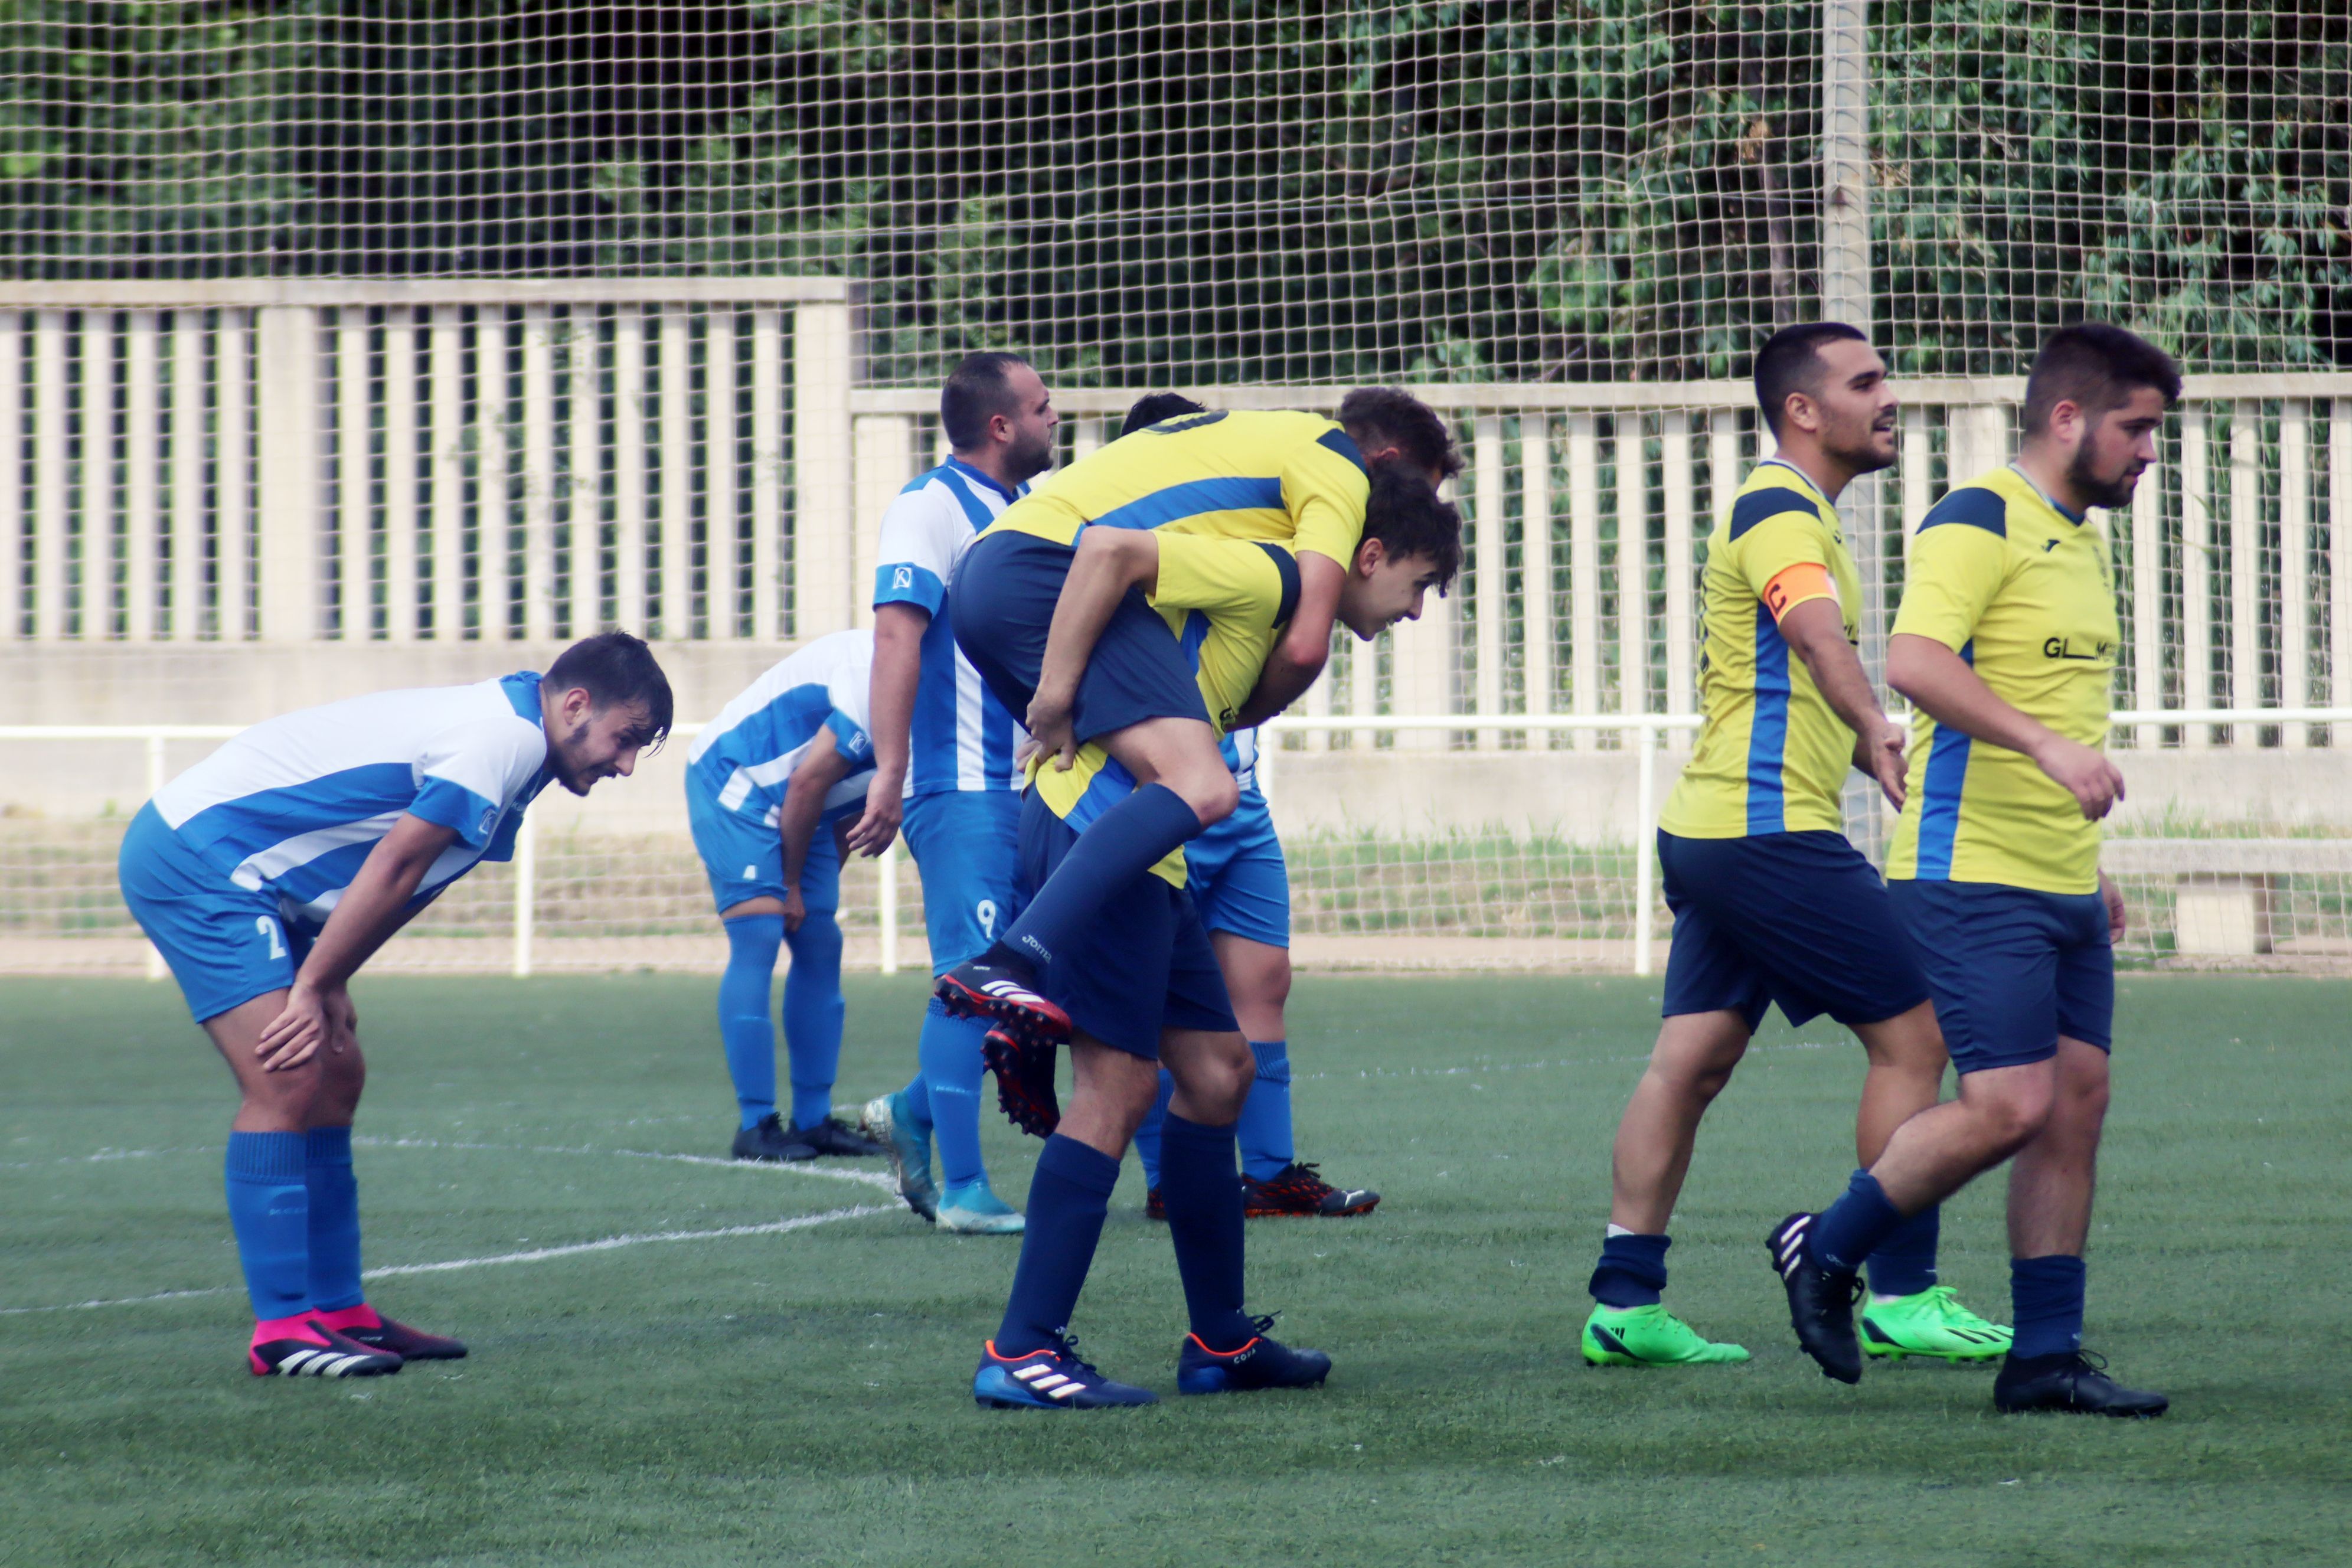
(224, 944)
(2011, 969)
(1797, 919)
(1000, 603)
(1239, 880)
(1141, 966)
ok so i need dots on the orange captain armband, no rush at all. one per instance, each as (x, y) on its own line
(1795, 585)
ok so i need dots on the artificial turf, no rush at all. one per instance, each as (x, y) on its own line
(803, 1395)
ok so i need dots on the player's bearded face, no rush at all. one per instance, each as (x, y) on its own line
(1857, 408)
(1030, 451)
(597, 744)
(2117, 447)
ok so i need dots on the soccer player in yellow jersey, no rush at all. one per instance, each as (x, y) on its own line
(1140, 983)
(1770, 902)
(2004, 643)
(1298, 481)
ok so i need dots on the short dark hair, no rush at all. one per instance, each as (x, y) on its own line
(2097, 367)
(1790, 361)
(977, 391)
(1405, 515)
(1400, 417)
(615, 668)
(1155, 407)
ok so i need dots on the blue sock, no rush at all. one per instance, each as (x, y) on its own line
(744, 1028)
(2045, 1303)
(335, 1228)
(1265, 1126)
(812, 1013)
(1904, 1263)
(953, 1069)
(1202, 1190)
(1146, 1137)
(1850, 1229)
(1117, 847)
(1632, 1271)
(1069, 1196)
(269, 1209)
(919, 1094)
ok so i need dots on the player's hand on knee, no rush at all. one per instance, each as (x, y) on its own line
(795, 910)
(295, 1035)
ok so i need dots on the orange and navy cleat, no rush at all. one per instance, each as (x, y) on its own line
(1050, 1379)
(1261, 1363)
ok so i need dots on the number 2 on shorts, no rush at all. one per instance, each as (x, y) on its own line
(270, 927)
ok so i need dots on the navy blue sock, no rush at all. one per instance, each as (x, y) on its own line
(2045, 1303)
(1069, 1196)
(744, 1028)
(1904, 1263)
(1117, 847)
(1202, 1190)
(953, 1067)
(1265, 1126)
(813, 1014)
(1850, 1229)
(335, 1228)
(269, 1209)
(1146, 1137)
(1632, 1271)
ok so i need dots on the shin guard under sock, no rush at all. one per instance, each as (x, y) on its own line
(953, 1069)
(2045, 1296)
(813, 1014)
(1202, 1191)
(269, 1209)
(744, 1028)
(334, 1219)
(1263, 1129)
(1068, 1198)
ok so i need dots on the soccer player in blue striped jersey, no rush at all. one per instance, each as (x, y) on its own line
(270, 872)
(1771, 904)
(943, 747)
(2004, 643)
(771, 785)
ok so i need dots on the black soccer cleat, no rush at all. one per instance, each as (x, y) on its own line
(832, 1136)
(1154, 1205)
(1261, 1363)
(996, 991)
(1298, 1189)
(1821, 1300)
(1024, 1082)
(407, 1344)
(768, 1141)
(329, 1354)
(2072, 1381)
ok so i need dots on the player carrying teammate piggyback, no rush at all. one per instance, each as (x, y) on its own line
(270, 872)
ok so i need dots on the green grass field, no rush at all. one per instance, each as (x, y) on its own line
(801, 1395)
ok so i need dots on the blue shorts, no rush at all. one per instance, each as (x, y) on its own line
(967, 844)
(1000, 603)
(1797, 919)
(224, 944)
(2013, 969)
(1141, 966)
(744, 857)
(1238, 880)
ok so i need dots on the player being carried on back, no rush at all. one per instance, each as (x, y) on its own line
(270, 872)
(1770, 901)
(1139, 984)
(1240, 885)
(2004, 643)
(771, 787)
(1298, 481)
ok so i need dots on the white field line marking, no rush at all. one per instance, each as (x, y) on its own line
(536, 1254)
(823, 1173)
(103, 1157)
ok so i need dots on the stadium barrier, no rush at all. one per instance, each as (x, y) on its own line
(2243, 891)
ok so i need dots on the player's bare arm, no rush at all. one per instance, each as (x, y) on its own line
(1943, 685)
(375, 906)
(1817, 632)
(821, 768)
(1108, 562)
(898, 631)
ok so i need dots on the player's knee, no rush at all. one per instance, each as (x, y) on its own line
(1212, 793)
(2016, 1115)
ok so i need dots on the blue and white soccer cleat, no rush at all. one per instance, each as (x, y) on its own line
(1261, 1363)
(1050, 1379)
(975, 1209)
(906, 1146)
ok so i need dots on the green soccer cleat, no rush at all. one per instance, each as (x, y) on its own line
(1649, 1336)
(1930, 1323)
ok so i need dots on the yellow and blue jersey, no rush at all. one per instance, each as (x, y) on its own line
(1293, 480)
(1224, 601)
(1772, 755)
(2023, 592)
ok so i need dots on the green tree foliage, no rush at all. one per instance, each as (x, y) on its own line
(1226, 190)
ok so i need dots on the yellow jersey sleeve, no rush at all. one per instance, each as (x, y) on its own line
(1325, 488)
(1766, 552)
(1956, 572)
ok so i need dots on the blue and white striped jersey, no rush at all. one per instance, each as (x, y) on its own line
(1241, 755)
(962, 737)
(296, 804)
(743, 759)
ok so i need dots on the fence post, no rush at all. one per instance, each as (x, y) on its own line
(525, 893)
(286, 423)
(823, 519)
(1645, 830)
